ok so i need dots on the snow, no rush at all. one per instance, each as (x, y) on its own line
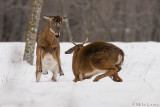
(140, 87)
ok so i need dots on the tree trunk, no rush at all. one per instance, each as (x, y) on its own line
(32, 31)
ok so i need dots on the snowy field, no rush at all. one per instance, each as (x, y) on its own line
(140, 87)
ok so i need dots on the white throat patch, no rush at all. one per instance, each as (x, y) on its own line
(53, 32)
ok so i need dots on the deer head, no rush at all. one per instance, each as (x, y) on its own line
(76, 47)
(55, 23)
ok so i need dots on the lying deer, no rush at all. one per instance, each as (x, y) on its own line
(48, 48)
(95, 58)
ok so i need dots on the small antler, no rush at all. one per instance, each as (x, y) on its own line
(72, 40)
(65, 19)
(85, 41)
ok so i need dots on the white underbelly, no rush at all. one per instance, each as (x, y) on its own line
(96, 71)
(49, 63)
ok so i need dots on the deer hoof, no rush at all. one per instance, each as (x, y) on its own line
(54, 79)
(120, 80)
(61, 74)
(95, 80)
(117, 79)
(74, 80)
(37, 80)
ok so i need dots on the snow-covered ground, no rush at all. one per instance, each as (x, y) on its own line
(140, 87)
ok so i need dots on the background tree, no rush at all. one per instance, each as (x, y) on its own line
(32, 31)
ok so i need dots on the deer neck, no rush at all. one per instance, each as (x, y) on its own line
(49, 34)
(47, 38)
(75, 54)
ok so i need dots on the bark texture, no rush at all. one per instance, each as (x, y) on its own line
(32, 31)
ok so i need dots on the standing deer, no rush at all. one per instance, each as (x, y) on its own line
(48, 48)
(95, 58)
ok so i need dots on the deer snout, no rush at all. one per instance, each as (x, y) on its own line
(57, 35)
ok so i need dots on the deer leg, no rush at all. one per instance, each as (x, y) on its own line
(116, 78)
(76, 78)
(60, 70)
(110, 72)
(54, 77)
(88, 77)
(38, 75)
(119, 67)
(55, 71)
(59, 62)
(38, 65)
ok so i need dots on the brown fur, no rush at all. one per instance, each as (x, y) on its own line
(97, 55)
(48, 43)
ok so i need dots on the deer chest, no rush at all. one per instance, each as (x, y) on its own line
(49, 62)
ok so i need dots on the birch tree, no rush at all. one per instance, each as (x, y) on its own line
(32, 31)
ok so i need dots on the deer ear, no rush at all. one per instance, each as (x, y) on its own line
(65, 19)
(71, 50)
(46, 17)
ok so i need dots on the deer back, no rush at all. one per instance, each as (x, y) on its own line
(97, 55)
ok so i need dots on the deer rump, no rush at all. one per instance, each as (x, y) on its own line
(100, 54)
(95, 58)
